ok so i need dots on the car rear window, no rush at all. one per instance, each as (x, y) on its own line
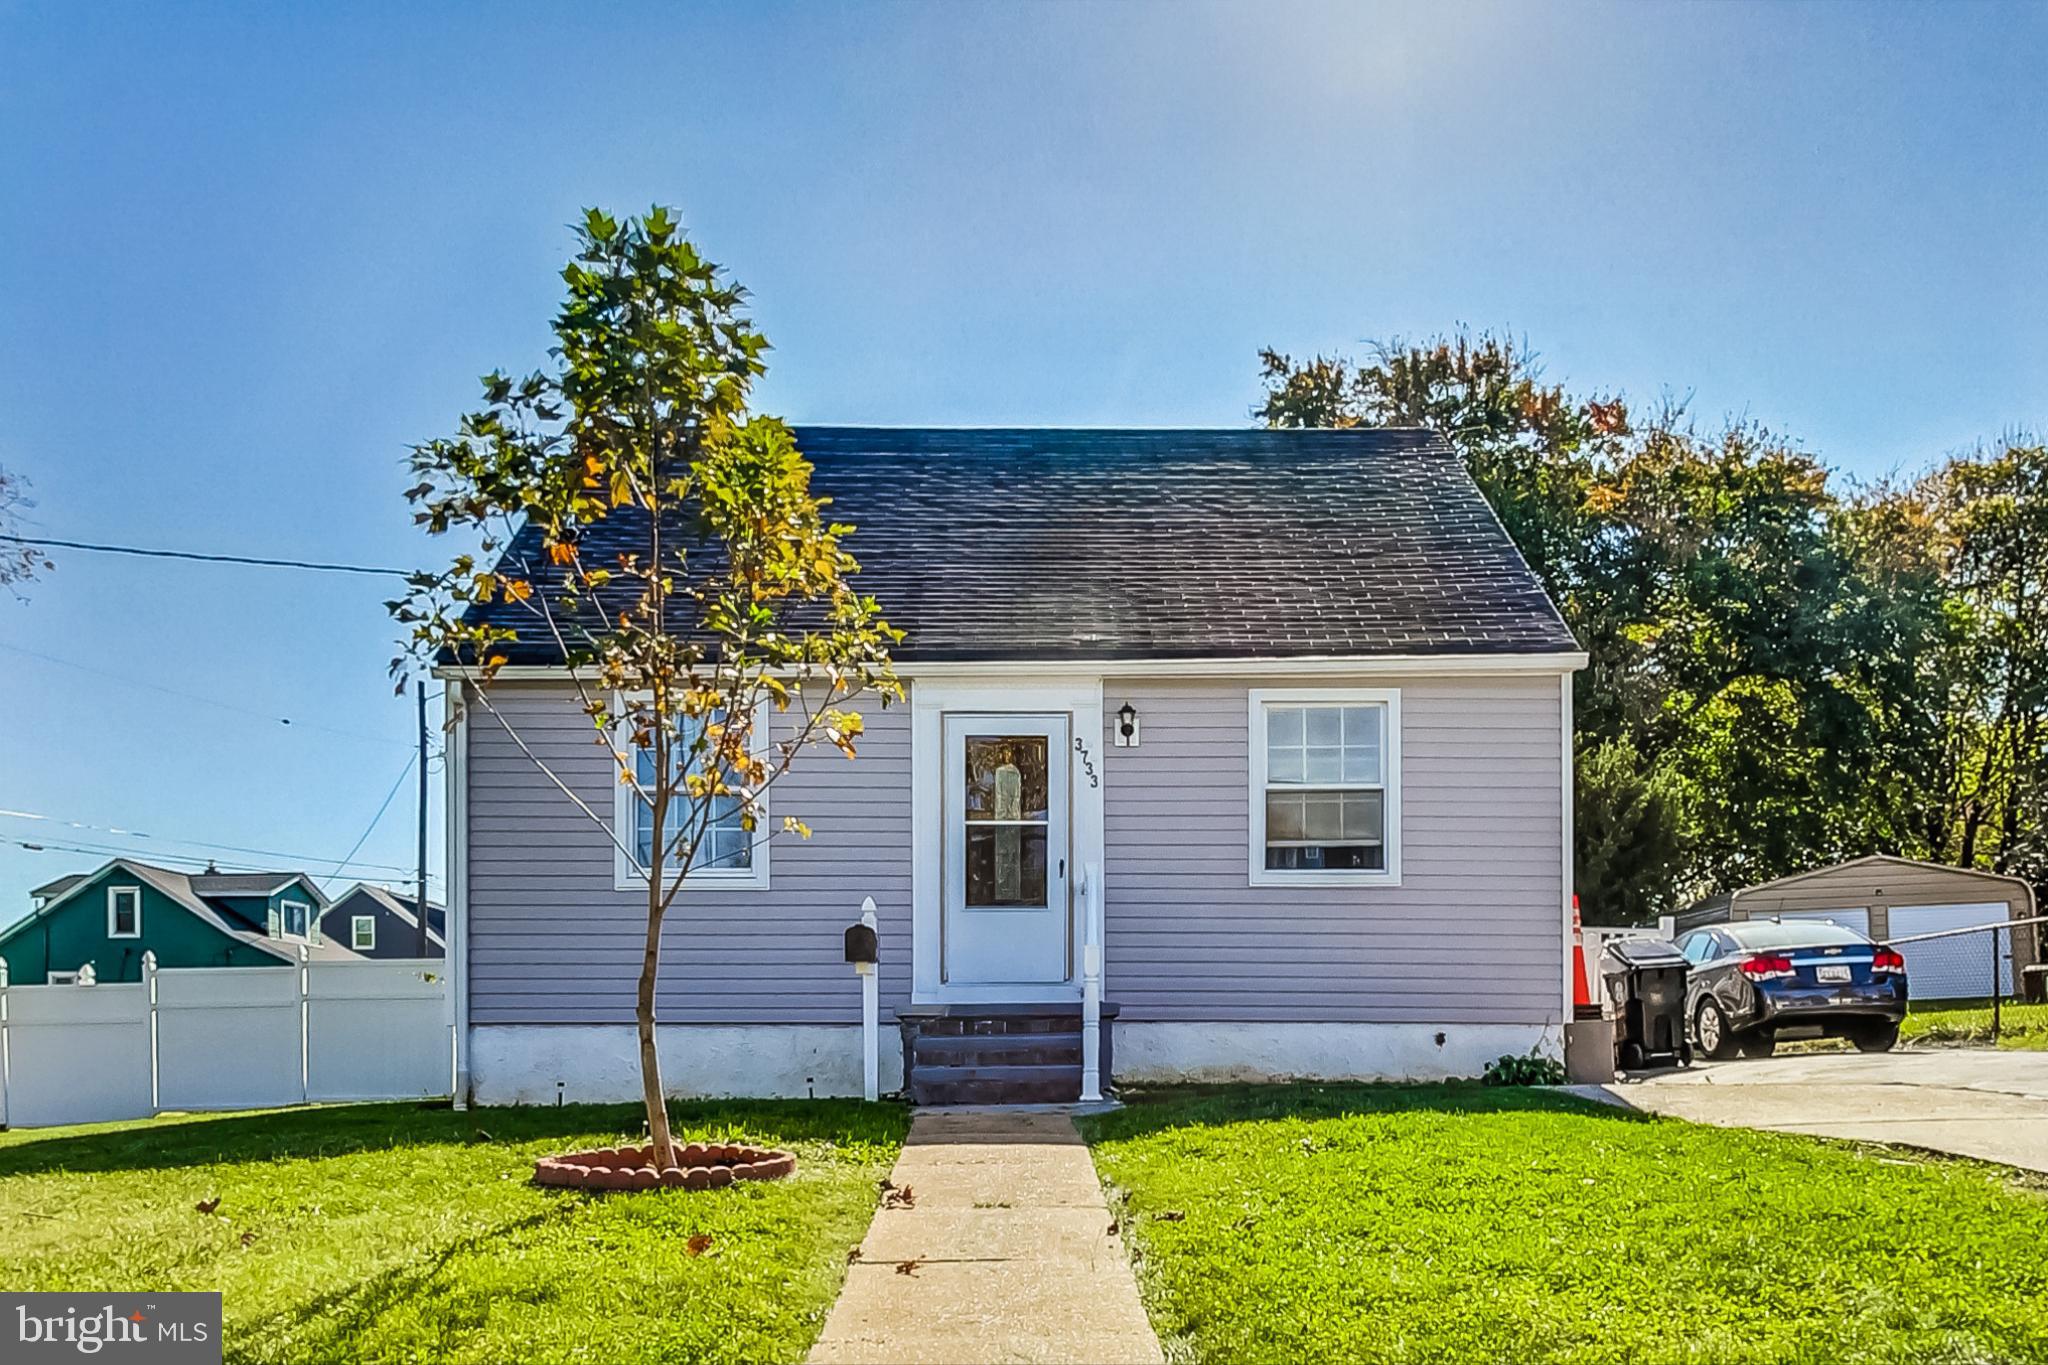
(1806, 933)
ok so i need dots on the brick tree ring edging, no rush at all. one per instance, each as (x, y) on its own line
(691, 1166)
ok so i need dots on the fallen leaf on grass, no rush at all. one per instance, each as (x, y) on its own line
(699, 1244)
(1169, 1216)
(208, 1205)
(910, 1266)
(248, 1240)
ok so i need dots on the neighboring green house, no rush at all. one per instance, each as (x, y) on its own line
(109, 918)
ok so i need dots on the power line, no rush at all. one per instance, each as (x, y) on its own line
(190, 860)
(194, 696)
(382, 806)
(202, 843)
(254, 560)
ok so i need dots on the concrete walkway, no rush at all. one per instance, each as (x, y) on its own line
(994, 1245)
(1985, 1104)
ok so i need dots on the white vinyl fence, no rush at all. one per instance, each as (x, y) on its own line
(225, 1038)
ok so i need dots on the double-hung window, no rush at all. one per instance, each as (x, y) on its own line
(124, 912)
(362, 930)
(1325, 787)
(728, 854)
(297, 916)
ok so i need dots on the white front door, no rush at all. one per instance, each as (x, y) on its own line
(1006, 913)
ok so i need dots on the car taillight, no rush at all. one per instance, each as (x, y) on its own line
(1888, 960)
(1767, 967)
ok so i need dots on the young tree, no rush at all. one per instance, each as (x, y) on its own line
(661, 543)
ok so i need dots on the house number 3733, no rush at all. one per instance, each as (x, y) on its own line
(1087, 761)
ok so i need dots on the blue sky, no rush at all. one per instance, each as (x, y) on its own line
(248, 254)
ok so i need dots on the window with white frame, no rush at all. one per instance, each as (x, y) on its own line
(1325, 778)
(296, 918)
(362, 932)
(124, 912)
(728, 854)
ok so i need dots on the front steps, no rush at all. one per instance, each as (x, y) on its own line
(996, 1054)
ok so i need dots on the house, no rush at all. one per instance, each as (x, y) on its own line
(1892, 898)
(1287, 706)
(376, 921)
(107, 919)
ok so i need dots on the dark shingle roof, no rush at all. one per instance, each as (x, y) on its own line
(1095, 544)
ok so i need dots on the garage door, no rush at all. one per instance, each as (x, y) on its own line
(1952, 968)
(1855, 917)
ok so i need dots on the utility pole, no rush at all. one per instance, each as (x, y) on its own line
(420, 901)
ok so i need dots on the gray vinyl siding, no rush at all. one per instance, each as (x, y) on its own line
(1472, 935)
(552, 941)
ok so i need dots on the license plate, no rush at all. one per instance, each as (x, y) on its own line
(1831, 972)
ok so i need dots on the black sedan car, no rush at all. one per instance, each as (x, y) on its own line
(1757, 981)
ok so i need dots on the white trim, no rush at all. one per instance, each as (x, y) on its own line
(114, 893)
(60, 978)
(455, 915)
(626, 871)
(1307, 666)
(284, 921)
(356, 925)
(1257, 699)
(1079, 696)
(1567, 759)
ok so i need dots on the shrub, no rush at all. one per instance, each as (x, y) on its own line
(1534, 1069)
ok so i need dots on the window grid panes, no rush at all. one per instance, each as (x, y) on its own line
(363, 931)
(727, 846)
(1325, 794)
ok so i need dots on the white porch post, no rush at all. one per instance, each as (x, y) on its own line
(1091, 984)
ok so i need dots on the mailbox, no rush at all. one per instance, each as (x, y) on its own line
(861, 944)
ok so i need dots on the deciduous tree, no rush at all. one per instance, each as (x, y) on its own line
(640, 525)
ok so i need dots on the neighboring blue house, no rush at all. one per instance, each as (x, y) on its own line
(107, 919)
(375, 921)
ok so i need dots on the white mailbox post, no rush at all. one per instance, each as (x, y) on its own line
(862, 949)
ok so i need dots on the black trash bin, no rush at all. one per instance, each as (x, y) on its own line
(1645, 984)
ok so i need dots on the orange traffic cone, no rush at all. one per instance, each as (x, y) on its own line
(1582, 990)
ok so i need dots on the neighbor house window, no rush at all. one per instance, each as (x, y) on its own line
(296, 917)
(63, 978)
(1325, 786)
(124, 912)
(362, 932)
(727, 854)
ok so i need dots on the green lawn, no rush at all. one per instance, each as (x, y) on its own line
(1461, 1223)
(405, 1233)
(1948, 1023)
(2019, 1026)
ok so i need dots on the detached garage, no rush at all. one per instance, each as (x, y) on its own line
(1893, 898)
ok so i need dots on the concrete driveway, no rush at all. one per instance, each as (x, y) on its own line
(1979, 1103)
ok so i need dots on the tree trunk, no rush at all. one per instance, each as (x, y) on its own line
(650, 1060)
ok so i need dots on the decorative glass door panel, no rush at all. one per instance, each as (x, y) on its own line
(1007, 914)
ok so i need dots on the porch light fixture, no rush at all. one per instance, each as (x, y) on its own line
(1127, 726)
